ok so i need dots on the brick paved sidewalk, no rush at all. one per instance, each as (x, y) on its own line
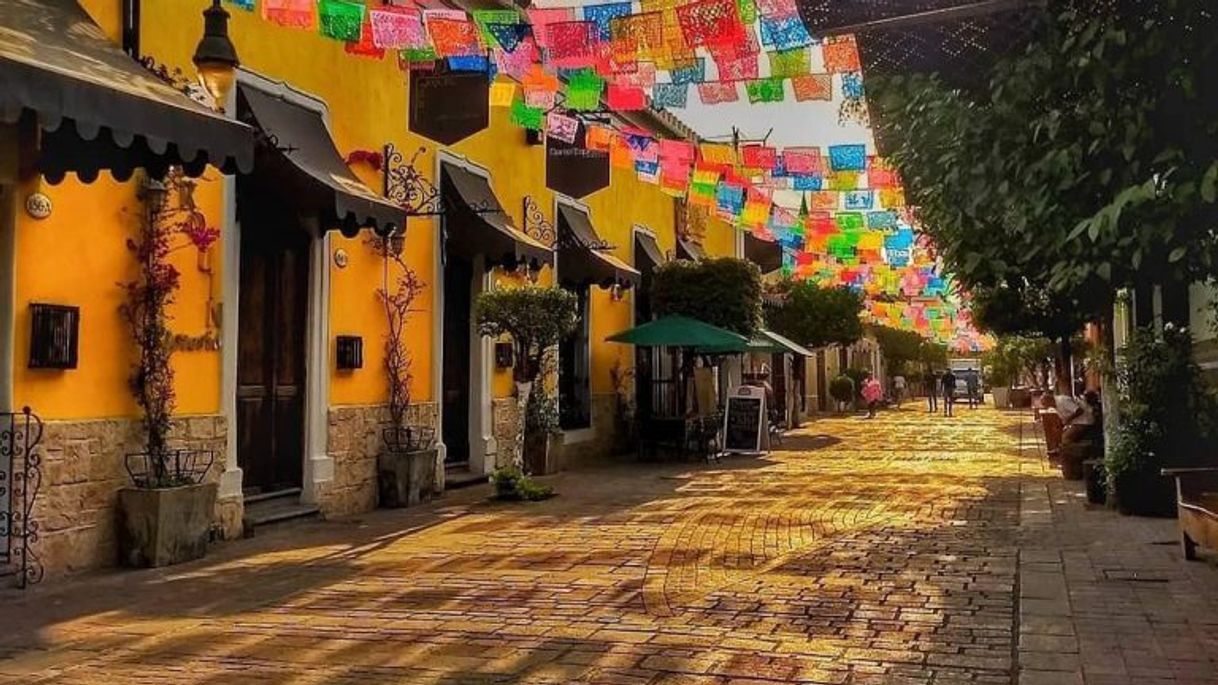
(907, 549)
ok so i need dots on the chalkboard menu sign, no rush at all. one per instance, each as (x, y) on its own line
(573, 170)
(744, 421)
(448, 106)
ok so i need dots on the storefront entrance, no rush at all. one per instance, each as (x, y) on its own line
(271, 339)
(458, 285)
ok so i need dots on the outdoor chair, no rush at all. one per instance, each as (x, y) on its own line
(1197, 508)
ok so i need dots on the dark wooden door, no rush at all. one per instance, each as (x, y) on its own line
(271, 334)
(458, 293)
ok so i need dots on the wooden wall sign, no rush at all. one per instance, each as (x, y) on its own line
(448, 107)
(574, 171)
(744, 424)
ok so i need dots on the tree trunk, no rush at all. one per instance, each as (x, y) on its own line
(523, 389)
(1062, 367)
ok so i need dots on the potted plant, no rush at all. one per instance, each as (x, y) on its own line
(536, 318)
(406, 465)
(842, 390)
(1167, 420)
(165, 516)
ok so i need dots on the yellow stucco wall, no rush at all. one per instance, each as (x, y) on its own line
(368, 108)
(720, 238)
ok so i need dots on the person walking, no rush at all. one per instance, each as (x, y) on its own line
(949, 392)
(974, 387)
(873, 392)
(931, 381)
(898, 389)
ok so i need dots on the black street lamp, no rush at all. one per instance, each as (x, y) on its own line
(215, 55)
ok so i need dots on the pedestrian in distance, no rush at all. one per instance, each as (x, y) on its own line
(974, 388)
(898, 389)
(932, 391)
(873, 392)
(949, 391)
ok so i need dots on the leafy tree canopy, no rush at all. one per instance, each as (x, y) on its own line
(905, 350)
(537, 318)
(814, 316)
(723, 292)
(1089, 162)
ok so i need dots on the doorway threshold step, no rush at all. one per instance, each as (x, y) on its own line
(457, 478)
(285, 493)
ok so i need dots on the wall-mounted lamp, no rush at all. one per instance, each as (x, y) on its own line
(215, 55)
(617, 292)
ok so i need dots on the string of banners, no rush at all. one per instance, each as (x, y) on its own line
(618, 55)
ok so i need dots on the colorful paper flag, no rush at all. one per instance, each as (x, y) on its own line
(484, 18)
(694, 73)
(571, 43)
(841, 55)
(718, 93)
(340, 19)
(785, 33)
(297, 14)
(765, 90)
(540, 19)
(603, 14)
(670, 95)
(790, 63)
(759, 157)
(626, 98)
(397, 28)
(847, 157)
(813, 87)
(503, 94)
(562, 127)
(452, 37)
(858, 199)
(710, 22)
(583, 91)
(777, 8)
(525, 116)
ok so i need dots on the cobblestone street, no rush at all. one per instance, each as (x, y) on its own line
(906, 549)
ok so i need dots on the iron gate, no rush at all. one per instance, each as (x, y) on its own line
(20, 478)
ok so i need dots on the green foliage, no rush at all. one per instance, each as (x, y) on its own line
(1167, 412)
(814, 316)
(541, 413)
(902, 349)
(1088, 163)
(722, 292)
(536, 318)
(857, 376)
(512, 484)
(842, 388)
(1013, 357)
(933, 354)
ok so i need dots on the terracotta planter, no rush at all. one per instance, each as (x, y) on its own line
(405, 478)
(541, 454)
(165, 526)
(1145, 494)
(1002, 397)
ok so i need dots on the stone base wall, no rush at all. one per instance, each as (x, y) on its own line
(354, 441)
(604, 438)
(603, 441)
(83, 469)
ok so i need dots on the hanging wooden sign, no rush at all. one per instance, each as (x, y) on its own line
(448, 107)
(573, 170)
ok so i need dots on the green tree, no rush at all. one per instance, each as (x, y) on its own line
(723, 292)
(1088, 163)
(901, 348)
(814, 316)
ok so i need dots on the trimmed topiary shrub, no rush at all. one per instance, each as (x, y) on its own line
(842, 389)
(722, 292)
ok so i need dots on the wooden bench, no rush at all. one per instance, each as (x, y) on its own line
(1197, 505)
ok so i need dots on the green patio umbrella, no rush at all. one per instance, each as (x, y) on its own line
(680, 331)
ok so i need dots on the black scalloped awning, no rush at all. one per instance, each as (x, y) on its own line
(97, 107)
(476, 223)
(297, 156)
(583, 258)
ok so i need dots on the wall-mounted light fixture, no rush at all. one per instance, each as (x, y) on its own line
(215, 56)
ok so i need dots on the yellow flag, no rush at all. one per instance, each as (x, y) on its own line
(502, 93)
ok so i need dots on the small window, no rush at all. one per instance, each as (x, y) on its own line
(350, 352)
(54, 336)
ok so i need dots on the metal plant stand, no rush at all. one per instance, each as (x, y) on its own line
(20, 479)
